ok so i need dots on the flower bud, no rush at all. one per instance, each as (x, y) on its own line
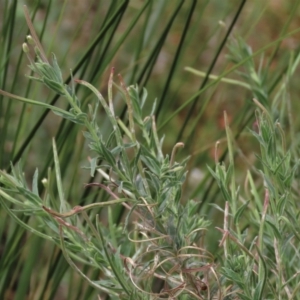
(30, 40)
(25, 48)
(45, 182)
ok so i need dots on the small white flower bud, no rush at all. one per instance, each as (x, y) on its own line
(25, 48)
(222, 24)
(30, 40)
(45, 182)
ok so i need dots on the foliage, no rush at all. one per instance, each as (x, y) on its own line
(134, 233)
(162, 243)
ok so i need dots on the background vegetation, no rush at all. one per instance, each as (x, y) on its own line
(253, 45)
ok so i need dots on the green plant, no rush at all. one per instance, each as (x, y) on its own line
(132, 35)
(259, 239)
(159, 249)
(161, 242)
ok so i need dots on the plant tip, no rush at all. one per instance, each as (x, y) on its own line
(30, 40)
(25, 48)
(222, 23)
(45, 182)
